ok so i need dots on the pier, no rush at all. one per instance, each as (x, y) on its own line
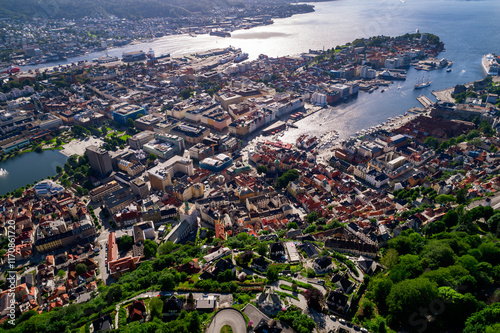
(425, 101)
(278, 126)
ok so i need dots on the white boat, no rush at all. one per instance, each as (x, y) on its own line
(240, 57)
(3, 172)
(420, 85)
(490, 64)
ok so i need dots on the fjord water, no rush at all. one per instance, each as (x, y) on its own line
(469, 29)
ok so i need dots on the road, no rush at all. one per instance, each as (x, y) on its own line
(102, 240)
(143, 295)
(494, 203)
(225, 300)
(444, 95)
(228, 316)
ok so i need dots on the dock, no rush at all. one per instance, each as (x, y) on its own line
(425, 101)
(274, 128)
(415, 111)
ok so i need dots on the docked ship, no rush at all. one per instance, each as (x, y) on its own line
(490, 64)
(4, 67)
(388, 75)
(306, 141)
(9, 69)
(105, 59)
(162, 56)
(133, 56)
(423, 84)
(220, 33)
(240, 57)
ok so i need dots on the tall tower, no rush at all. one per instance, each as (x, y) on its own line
(99, 159)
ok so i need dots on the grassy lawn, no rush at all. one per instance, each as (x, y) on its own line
(206, 318)
(298, 283)
(286, 287)
(226, 329)
(186, 284)
(296, 268)
(284, 295)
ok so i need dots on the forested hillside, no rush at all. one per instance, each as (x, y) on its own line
(446, 280)
(133, 9)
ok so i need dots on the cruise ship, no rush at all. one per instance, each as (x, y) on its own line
(240, 57)
(490, 64)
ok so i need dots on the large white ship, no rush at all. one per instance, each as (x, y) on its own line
(490, 64)
(240, 57)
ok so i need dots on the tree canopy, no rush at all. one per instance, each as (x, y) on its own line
(288, 176)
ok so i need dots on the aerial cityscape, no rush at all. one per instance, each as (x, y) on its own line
(260, 166)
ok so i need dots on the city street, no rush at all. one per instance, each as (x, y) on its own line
(102, 241)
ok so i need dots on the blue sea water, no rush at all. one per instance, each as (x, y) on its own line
(469, 30)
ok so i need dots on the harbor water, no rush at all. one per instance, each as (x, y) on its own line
(468, 29)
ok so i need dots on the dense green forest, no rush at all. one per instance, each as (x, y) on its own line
(137, 9)
(157, 274)
(78, 9)
(444, 281)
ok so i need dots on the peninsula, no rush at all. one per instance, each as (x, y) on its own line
(179, 208)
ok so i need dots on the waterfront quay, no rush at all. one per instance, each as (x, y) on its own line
(211, 181)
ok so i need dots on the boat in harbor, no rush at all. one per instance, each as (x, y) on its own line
(219, 33)
(9, 69)
(105, 59)
(490, 64)
(240, 57)
(423, 84)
